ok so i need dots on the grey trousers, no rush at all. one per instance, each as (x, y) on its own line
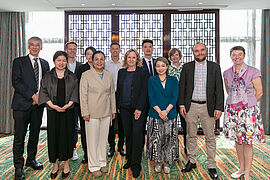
(199, 112)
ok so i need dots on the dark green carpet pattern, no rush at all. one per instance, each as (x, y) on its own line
(226, 163)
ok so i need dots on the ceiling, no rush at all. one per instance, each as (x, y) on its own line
(61, 5)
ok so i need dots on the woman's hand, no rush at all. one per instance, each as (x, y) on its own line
(113, 115)
(67, 105)
(86, 118)
(58, 109)
(137, 114)
(163, 115)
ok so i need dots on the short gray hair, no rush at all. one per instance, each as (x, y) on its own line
(35, 38)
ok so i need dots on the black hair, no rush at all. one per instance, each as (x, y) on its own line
(98, 52)
(147, 41)
(59, 53)
(115, 43)
(90, 48)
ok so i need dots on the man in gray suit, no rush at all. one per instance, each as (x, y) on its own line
(201, 97)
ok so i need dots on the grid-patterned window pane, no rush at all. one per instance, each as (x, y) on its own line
(133, 28)
(90, 30)
(188, 29)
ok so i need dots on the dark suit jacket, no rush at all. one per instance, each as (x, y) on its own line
(145, 67)
(78, 64)
(24, 82)
(214, 87)
(138, 88)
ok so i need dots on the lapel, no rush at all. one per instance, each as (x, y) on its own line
(192, 71)
(159, 85)
(145, 66)
(97, 77)
(42, 66)
(208, 75)
(28, 65)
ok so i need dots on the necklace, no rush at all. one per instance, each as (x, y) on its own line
(163, 79)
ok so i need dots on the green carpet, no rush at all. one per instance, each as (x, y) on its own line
(226, 163)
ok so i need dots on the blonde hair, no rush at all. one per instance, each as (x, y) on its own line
(139, 60)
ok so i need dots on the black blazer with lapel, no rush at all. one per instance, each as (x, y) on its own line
(78, 64)
(214, 87)
(139, 88)
(145, 67)
(24, 83)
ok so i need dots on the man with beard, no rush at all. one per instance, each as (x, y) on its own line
(201, 97)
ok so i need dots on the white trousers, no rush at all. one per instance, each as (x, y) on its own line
(96, 138)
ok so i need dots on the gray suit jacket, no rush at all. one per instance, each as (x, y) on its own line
(48, 89)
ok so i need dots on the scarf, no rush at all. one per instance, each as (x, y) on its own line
(238, 89)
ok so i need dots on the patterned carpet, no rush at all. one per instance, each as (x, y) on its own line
(226, 163)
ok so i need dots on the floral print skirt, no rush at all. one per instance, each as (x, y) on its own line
(243, 126)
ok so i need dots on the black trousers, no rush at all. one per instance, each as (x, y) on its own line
(77, 111)
(120, 131)
(32, 116)
(83, 134)
(134, 133)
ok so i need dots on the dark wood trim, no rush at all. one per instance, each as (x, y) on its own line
(115, 27)
(66, 38)
(166, 34)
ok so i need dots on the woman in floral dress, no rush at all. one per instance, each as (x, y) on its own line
(242, 120)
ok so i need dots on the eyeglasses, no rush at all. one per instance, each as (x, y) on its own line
(237, 55)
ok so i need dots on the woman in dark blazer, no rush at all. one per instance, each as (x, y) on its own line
(131, 102)
(162, 133)
(59, 91)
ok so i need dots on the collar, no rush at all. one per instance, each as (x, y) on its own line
(32, 57)
(203, 64)
(147, 59)
(176, 67)
(112, 62)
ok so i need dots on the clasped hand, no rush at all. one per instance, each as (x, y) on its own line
(163, 115)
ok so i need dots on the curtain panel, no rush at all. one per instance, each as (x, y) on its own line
(265, 65)
(12, 45)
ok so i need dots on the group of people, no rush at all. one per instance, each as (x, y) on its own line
(131, 94)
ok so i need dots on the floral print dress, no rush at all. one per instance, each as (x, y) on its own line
(242, 119)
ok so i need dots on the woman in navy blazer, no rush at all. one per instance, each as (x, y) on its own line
(132, 103)
(162, 134)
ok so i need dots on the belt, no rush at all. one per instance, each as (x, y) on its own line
(198, 102)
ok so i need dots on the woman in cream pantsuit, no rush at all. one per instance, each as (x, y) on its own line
(97, 100)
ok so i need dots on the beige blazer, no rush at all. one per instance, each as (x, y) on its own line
(97, 96)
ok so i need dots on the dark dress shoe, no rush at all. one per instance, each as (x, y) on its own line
(111, 153)
(54, 175)
(127, 165)
(213, 173)
(65, 175)
(19, 174)
(34, 164)
(122, 152)
(84, 160)
(136, 172)
(189, 166)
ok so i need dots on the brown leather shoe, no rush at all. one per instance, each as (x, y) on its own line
(97, 173)
(104, 169)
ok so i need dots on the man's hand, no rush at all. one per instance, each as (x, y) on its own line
(35, 99)
(183, 111)
(217, 114)
(113, 115)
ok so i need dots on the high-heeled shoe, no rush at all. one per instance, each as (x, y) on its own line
(54, 175)
(65, 175)
(236, 176)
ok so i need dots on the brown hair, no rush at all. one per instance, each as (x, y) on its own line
(173, 51)
(70, 42)
(139, 60)
(164, 60)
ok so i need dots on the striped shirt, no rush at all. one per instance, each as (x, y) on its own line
(200, 78)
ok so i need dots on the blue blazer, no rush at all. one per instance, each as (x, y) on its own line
(158, 96)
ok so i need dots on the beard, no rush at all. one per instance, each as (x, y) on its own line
(200, 59)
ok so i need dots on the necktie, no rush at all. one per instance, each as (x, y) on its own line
(36, 71)
(150, 68)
